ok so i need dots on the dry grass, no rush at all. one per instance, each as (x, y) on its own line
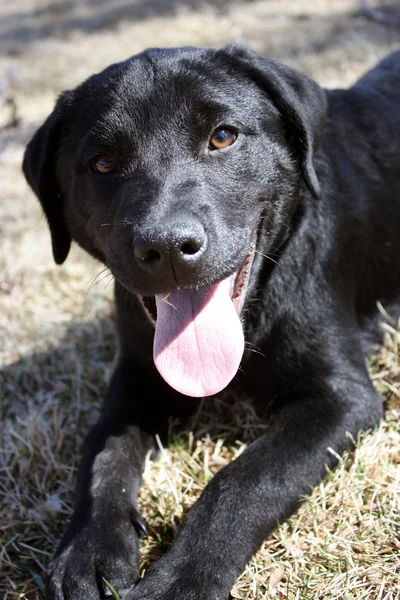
(57, 339)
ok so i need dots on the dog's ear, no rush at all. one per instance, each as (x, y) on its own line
(300, 100)
(39, 167)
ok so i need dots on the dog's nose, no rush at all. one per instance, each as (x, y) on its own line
(175, 246)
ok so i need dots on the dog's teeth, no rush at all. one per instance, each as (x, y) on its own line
(233, 279)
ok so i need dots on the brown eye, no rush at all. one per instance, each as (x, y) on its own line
(104, 163)
(222, 138)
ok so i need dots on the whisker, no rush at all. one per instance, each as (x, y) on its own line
(255, 351)
(93, 279)
(111, 280)
(251, 344)
(100, 280)
(96, 280)
(90, 283)
(267, 256)
(122, 222)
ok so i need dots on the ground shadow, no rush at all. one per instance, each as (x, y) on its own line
(48, 402)
(80, 363)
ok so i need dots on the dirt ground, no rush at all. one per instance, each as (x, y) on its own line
(57, 336)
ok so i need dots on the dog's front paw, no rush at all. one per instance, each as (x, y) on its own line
(89, 556)
(183, 583)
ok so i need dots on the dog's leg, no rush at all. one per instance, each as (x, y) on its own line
(245, 500)
(102, 538)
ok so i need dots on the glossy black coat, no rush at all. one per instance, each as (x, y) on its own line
(314, 175)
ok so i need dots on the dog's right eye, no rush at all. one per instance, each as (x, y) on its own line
(104, 163)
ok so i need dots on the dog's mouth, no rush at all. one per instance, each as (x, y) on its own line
(238, 281)
(199, 342)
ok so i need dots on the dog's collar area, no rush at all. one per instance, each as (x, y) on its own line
(239, 285)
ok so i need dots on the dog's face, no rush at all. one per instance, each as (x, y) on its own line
(164, 167)
(165, 171)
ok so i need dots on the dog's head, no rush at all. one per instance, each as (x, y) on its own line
(164, 166)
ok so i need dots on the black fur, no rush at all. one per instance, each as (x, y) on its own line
(315, 176)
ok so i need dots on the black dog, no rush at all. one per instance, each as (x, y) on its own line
(184, 171)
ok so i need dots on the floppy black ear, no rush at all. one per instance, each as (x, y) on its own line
(39, 167)
(300, 100)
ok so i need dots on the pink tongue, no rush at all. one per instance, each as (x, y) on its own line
(199, 343)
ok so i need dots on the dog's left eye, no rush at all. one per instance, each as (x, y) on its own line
(222, 138)
(104, 163)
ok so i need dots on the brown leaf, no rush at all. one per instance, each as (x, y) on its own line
(347, 532)
(276, 577)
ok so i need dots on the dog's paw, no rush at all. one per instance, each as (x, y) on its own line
(176, 584)
(100, 552)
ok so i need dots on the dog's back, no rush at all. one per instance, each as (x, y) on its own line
(384, 78)
(361, 148)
